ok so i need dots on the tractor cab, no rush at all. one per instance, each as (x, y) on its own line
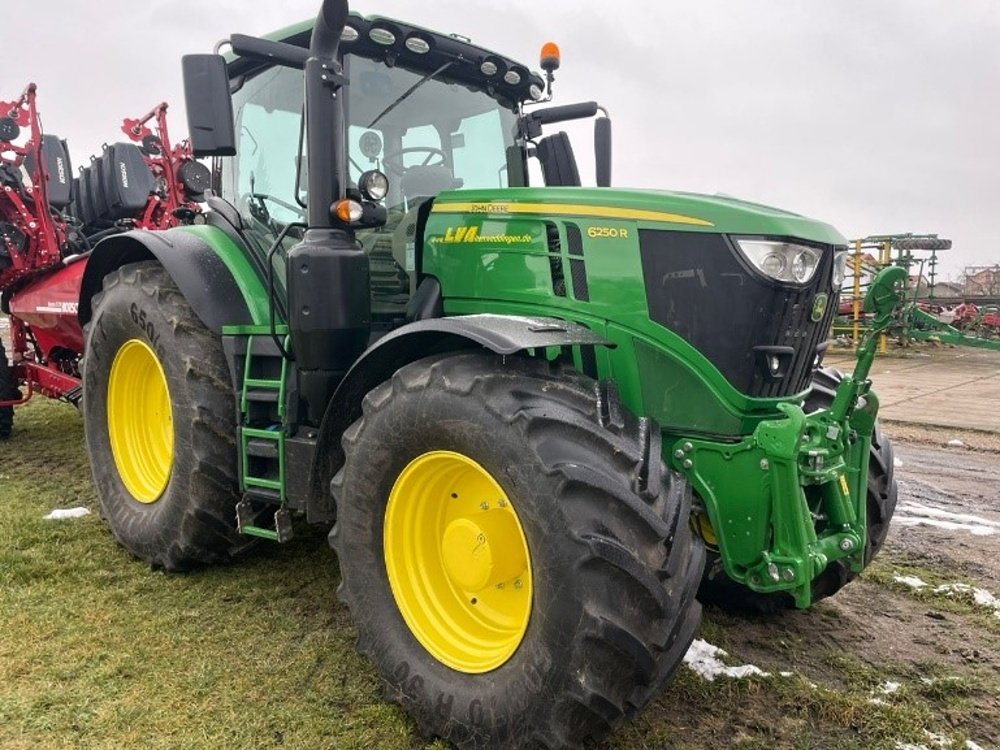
(431, 112)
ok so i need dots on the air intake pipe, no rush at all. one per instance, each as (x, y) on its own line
(329, 308)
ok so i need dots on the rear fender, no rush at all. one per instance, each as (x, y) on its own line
(210, 269)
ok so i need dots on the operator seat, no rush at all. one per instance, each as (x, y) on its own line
(420, 183)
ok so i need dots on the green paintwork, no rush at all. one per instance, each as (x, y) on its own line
(244, 274)
(728, 215)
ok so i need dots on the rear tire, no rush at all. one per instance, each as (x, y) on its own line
(8, 392)
(185, 515)
(613, 568)
(719, 589)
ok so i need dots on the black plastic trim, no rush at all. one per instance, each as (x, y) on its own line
(199, 273)
(701, 286)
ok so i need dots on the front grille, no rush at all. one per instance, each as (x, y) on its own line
(699, 286)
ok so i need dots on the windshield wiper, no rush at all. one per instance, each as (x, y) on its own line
(409, 91)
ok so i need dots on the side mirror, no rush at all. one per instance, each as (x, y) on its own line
(209, 105)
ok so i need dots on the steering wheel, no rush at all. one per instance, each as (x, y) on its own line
(394, 167)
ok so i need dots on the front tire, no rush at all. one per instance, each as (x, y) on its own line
(608, 567)
(159, 415)
(720, 590)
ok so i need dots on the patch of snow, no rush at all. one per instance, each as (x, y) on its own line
(887, 688)
(910, 513)
(982, 597)
(970, 745)
(956, 444)
(911, 581)
(896, 462)
(890, 687)
(786, 674)
(62, 514)
(704, 658)
(910, 746)
(938, 739)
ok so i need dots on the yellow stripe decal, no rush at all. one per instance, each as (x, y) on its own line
(567, 209)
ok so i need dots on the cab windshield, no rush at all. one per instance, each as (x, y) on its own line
(438, 136)
(425, 132)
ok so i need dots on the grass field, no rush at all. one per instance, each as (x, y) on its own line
(98, 651)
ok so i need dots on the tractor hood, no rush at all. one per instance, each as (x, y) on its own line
(688, 211)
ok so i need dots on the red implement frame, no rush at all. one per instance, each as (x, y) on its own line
(42, 272)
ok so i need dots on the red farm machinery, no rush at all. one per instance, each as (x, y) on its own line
(925, 316)
(50, 222)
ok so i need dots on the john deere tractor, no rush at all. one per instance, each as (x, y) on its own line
(537, 417)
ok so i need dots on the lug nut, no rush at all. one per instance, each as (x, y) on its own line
(678, 453)
(788, 574)
(846, 545)
(688, 463)
(688, 447)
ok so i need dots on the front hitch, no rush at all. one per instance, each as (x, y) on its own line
(795, 492)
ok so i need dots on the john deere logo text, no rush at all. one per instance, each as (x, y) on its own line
(468, 235)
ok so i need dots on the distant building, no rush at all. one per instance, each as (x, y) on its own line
(948, 290)
(982, 282)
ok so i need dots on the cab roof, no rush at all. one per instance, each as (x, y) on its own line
(510, 84)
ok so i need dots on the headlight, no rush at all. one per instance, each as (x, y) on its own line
(840, 269)
(782, 261)
(374, 185)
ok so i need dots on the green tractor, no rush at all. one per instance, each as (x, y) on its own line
(542, 421)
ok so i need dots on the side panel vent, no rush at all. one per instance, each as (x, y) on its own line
(555, 259)
(578, 270)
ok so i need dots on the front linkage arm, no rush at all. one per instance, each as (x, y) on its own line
(755, 491)
(827, 450)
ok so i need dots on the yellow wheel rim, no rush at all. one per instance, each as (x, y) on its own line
(457, 561)
(140, 422)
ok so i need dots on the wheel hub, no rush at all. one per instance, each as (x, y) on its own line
(482, 552)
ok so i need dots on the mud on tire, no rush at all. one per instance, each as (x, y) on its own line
(615, 566)
(725, 593)
(194, 520)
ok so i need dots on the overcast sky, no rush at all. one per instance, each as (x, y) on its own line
(877, 116)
